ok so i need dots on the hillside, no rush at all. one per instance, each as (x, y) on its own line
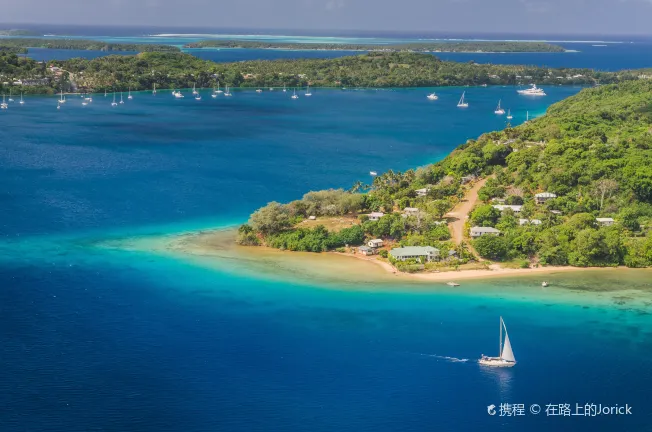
(592, 154)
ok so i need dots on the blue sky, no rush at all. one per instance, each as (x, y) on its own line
(501, 16)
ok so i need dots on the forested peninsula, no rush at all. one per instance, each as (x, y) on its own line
(81, 44)
(571, 188)
(374, 70)
(470, 46)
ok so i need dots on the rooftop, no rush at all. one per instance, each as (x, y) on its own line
(414, 250)
(485, 229)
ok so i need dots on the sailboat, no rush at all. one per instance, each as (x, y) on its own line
(22, 102)
(506, 358)
(10, 99)
(218, 88)
(130, 96)
(462, 103)
(499, 110)
(308, 92)
(104, 92)
(214, 94)
(259, 90)
(294, 96)
(154, 91)
(527, 116)
(114, 103)
(4, 105)
(432, 96)
(194, 89)
(121, 101)
(61, 98)
(284, 89)
(227, 92)
(198, 97)
(509, 115)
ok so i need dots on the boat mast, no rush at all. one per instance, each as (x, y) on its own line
(500, 330)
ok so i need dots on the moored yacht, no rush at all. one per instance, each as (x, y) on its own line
(259, 90)
(154, 91)
(194, 89)
(308, 93)
(294, 96)
(509, 115)
(129, 96)
(10, 99)
(499, 110)
(506, 357)
(218, 91)
(532, 91)
(4, 105)
(462, 103)
(114, 103)
(432, 96)
(227, 92)
(22, 102)
(121, 100)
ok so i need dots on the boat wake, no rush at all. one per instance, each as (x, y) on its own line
(449, 359)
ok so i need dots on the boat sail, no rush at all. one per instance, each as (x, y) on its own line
(114, 103)
(499, 110)
(308, 93)
(462, 103)
(506, 358)
(154, 91)
(509, 115)
(130, 96)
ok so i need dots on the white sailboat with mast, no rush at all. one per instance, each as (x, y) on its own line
(114, 103)
(154, 91)
(10, 99)
(294, 96)
(506, 357)
(121, 100)
(129, 96)
(308, 93)
(218, 91)
(462, 103)
(194, 89)
(22, 102)
(499, 110)
(227, 92)
(509, 115)
(61, 98)
(4, 105)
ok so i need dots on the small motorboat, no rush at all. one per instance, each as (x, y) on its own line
(452, 284)
(544, 284)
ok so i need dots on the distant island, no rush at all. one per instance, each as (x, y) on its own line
(472, 46)
(374, 70)
(81, 44)
(18, 32)
(571, 188)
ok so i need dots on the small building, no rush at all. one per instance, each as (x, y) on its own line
(535, 221)
(605, 221)
(498, 200)
(427, 253)
(542, 197)
(375, 243)
(481, 231)
(468, 179)
(531, 222)
(523, 222)
(312, 217)
(410, 211)
(503, 207)
(366, 250)
(374, 216)
(556, 212)
(422, 192)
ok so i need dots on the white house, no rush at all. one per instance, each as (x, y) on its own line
(605, 221)
(312, 217)
(480, 231)
(375, 243)
(531, 221)
(427, 253)
(535, 221)
(374, 216)
(556, 212)
(542, 197)
(366, 250)
(503, 207)
(422, 192)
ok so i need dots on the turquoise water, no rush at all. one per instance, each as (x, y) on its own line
(115, 340)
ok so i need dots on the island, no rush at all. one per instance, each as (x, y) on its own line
(466, 46)
(81, 44)
(18, 32)
(373, 70)
(572, 188)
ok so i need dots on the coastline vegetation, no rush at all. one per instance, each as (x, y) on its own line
(17, 32)
(468, 46)
(377, 70)
(591, 152)
(82, 44)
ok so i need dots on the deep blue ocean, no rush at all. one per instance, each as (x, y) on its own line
(116, 340)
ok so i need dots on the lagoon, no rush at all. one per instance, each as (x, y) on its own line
(130, 339)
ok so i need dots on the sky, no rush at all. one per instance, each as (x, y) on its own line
(609, 17)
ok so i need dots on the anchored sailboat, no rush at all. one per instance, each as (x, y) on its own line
(462, 103)
(218, 91)
(61, 98)
(4, 104)
(194, 89)
(432, 96)
(129, 95)
(506, 358)
(308, 92)
(499, 110)
(227, 92)
(294, 96)
(509, 115)
(114, 103)
(22, 102)
(121, 101)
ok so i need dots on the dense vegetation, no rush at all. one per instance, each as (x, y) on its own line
(593, 150)
(479, 46)
(177, 70)
(81, 44)
(14, 67)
